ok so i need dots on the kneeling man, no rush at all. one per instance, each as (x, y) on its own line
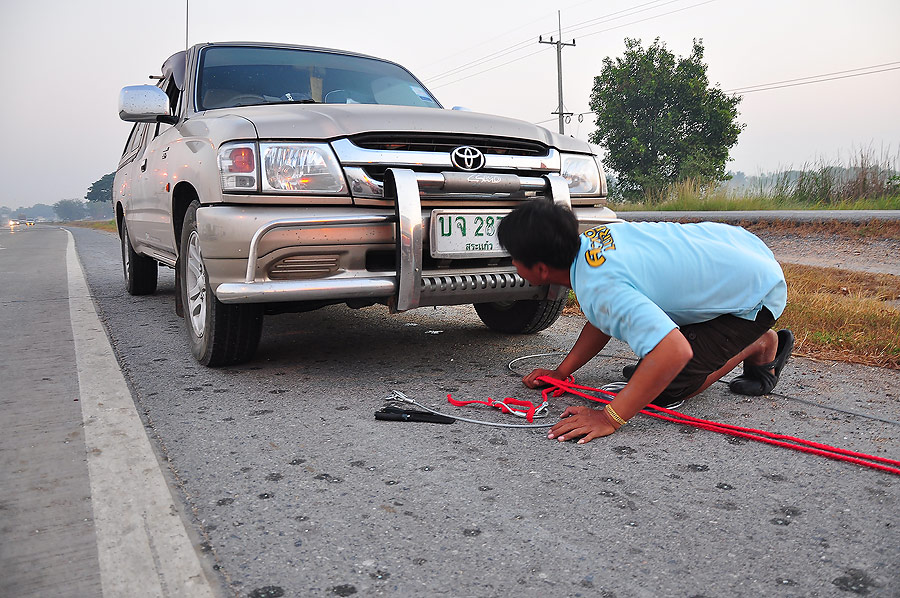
(691, 300)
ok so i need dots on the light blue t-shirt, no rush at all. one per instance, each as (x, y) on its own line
(638, 281)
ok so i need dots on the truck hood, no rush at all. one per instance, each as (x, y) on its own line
(331, 121)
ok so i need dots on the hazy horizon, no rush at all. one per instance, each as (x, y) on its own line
(71, 59)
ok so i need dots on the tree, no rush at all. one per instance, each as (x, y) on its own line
(659, 119)
(69, 209)
(98, 210)
(101, 190)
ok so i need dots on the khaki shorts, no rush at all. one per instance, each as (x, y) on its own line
(714, 342)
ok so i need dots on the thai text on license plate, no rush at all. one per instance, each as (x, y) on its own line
(466, 233)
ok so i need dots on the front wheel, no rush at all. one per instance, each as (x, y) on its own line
(219, 333)
(520, 317)
(141, 272)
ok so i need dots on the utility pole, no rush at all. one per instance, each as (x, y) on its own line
(559, 46)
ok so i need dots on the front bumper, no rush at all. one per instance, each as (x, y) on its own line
(240, 245)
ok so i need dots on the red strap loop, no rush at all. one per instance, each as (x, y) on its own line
(503, 406)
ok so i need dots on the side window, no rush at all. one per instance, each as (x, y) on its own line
(134, 140)
(129, 145)
(174, 94)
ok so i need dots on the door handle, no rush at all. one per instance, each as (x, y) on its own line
(144, 165)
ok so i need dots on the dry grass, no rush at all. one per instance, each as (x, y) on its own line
(843, 315)
(837, 314)
(871, 229)
(107, 225)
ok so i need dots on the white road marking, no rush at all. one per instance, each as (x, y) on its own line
(143, 546)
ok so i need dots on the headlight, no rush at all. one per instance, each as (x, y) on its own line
(300, 168)
(581, 173)
(237, 166)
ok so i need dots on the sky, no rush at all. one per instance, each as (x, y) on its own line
(64, 63)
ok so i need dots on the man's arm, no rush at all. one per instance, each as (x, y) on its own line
(590, 342)
(655, 372)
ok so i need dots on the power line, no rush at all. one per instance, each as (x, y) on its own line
(583, 36)
(484, 59)
(577, 26)
(647, 18)
(488, 69)
(508, 32)
(498, 51)
(605, 18)
(891, 66)
(818, 79)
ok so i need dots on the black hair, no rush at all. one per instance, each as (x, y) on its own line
(540, 231)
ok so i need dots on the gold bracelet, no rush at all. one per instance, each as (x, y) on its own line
(616, 417)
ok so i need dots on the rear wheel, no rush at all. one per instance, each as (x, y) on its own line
(141, 272)
(520, 317)
(219, 333)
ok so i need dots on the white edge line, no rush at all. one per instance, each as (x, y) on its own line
(144, 548)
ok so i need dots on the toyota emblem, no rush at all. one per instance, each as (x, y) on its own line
(467, 157)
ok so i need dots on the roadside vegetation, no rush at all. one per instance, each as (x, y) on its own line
(844, 315)
(837, 315)
(107, 225)
(871, 181)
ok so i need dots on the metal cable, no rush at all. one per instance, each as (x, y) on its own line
(399, 397)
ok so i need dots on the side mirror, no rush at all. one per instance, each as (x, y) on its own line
(144, 103)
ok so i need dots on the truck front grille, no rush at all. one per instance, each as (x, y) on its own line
(366, 157)
(444, 143)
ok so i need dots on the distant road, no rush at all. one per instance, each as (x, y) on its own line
(794, 215)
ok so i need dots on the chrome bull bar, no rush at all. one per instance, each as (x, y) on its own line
(405, 287)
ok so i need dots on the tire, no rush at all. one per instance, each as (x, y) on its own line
(520, 317)
(219, 333)
(141, 272)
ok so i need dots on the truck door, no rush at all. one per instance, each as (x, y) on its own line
(127, 179)
(155, 180)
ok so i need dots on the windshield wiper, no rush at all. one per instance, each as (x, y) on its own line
(303, 101)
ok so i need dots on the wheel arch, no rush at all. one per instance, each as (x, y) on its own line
(182, 196)
(120, 217)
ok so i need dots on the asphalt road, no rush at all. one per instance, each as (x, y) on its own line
(289, 487)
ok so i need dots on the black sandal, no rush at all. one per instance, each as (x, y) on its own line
(757, 379)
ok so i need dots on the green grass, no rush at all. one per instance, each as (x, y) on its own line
(869, 181)
(695, 196)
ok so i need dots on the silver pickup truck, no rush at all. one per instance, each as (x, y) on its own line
(277, 178)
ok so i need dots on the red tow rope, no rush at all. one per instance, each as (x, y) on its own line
(560, 387)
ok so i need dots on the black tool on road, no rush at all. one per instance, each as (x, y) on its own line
(396, 414)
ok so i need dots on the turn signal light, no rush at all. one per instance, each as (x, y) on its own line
(242, 160)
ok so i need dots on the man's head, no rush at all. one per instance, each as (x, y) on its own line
(539, 231)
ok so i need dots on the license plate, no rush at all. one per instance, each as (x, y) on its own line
(466, 233)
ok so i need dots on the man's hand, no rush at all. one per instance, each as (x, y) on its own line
(531, 380)
(581, 421)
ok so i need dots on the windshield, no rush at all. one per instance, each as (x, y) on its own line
(243, 76)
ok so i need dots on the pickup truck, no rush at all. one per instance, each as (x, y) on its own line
(276, 178)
